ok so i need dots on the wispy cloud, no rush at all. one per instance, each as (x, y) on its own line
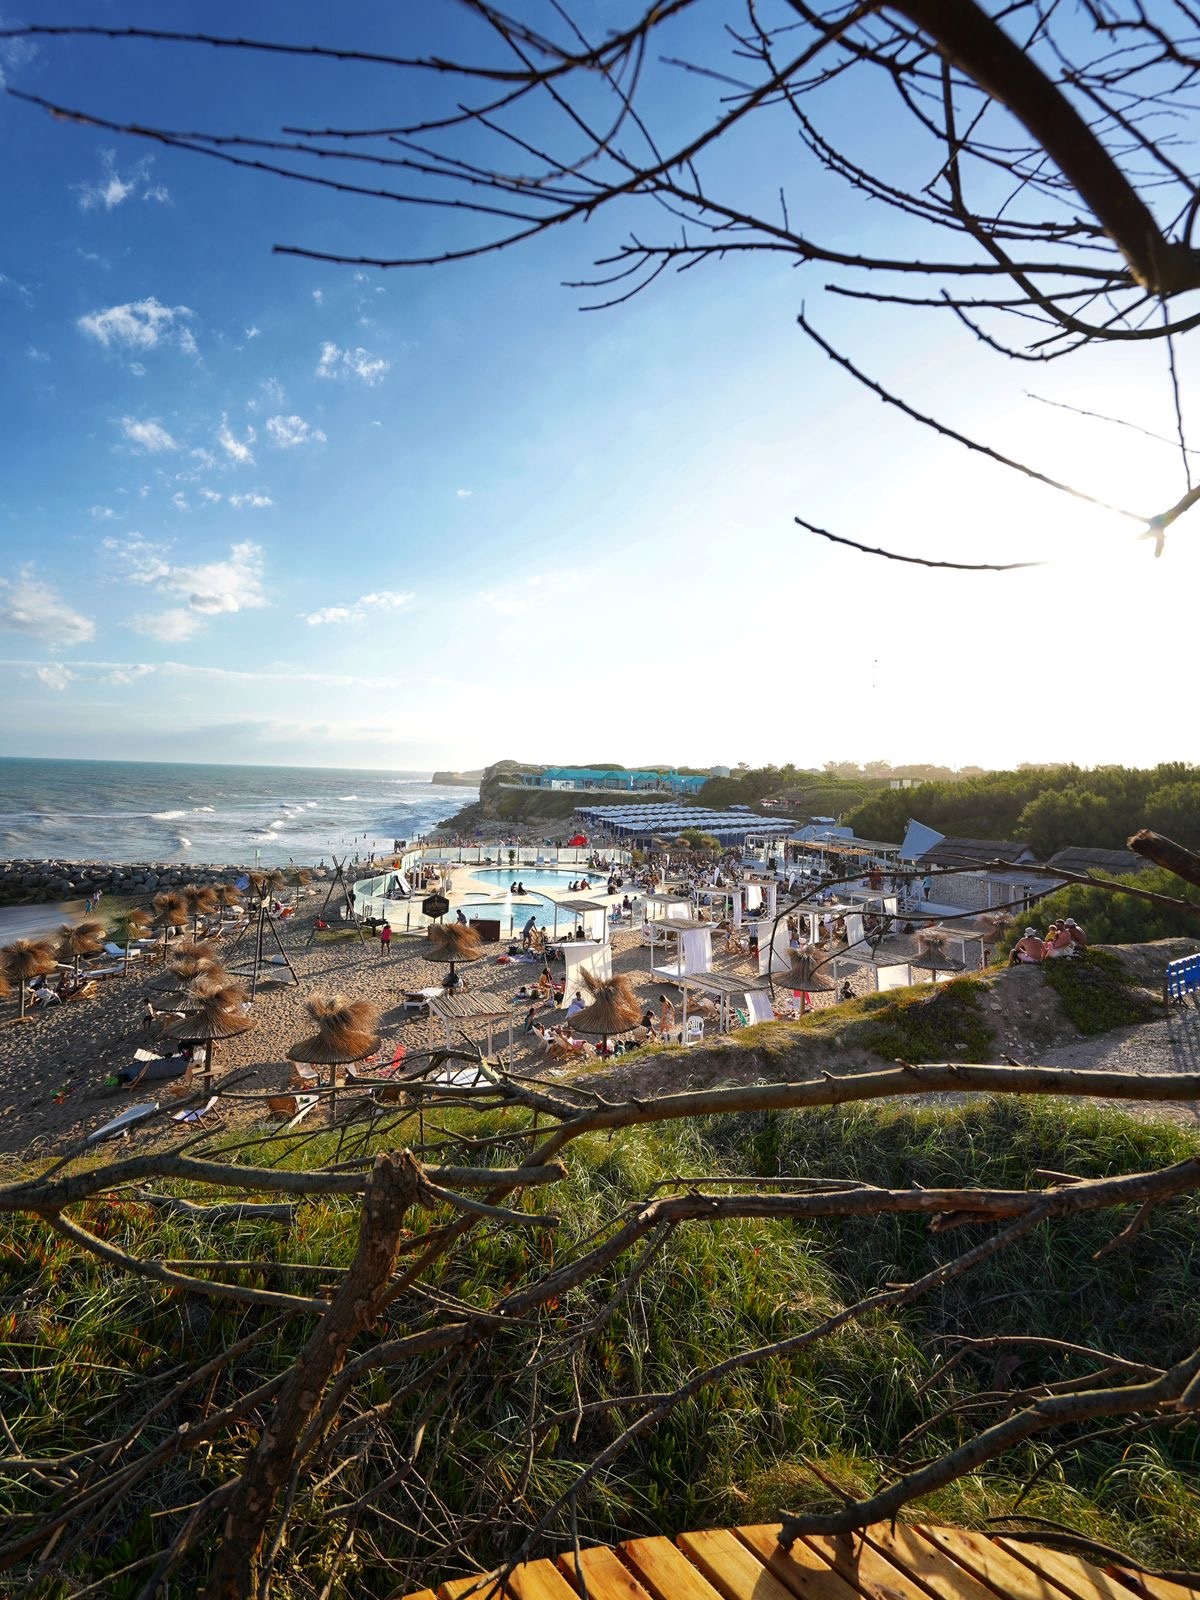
(104, 514)
(173, 626)
(140, 325)
(257, 500)
(463, 494)
(29, 606)
(273, 390)
(113, 188)
(236, 449)
(35, 354)
(148, 434)
(359, 363)
(54, 676)
(208, 589)
(358, 610)
(288, 432)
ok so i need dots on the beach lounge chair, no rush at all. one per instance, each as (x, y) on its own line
(195, 1114)
(290, 1108)
(116, 952)
(303, 1077)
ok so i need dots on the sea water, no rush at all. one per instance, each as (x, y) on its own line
(164, 811)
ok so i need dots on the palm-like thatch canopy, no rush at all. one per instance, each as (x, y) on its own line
(347, 1031)
(5, 988)
(200, 901)
(803, 978)
(933, 958)
(24, 959)
(451, 942)
(80, 939)
(213, 1009)
(170, 909)
(230, 894)
(614, 1007)
(136, 919)
(267, 882)
(188, 961)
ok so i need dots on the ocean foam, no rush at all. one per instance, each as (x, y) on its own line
(347, 797)
(167, 816)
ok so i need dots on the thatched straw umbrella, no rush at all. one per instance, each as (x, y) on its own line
(452, 944)
(614, 1007)
(200, 902)
(188, 961)
(933, 959)
(804, 979)
(170, 910)
(213, 1015)
(267, 882)
(229, 894)
(347, 1031)
(76, 939)
(5, 988)
(134, 924)
(24, 959)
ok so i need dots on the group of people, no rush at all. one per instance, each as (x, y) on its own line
(44, 993)
(1065, 938)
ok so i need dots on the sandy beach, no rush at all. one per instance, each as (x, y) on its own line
(53, 1067)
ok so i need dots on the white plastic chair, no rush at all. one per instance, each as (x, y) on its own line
(695, 1031)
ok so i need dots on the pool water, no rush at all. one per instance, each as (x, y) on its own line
(514, 915)
(535, 877)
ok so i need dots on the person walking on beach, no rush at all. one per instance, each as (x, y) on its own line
(385, 938)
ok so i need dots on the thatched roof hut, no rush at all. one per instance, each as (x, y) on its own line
(614, 1007)
(451, 942)
(804, 978)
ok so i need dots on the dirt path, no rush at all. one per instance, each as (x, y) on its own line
(1169, 1045)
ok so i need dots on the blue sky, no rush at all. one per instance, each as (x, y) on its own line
(258, 508)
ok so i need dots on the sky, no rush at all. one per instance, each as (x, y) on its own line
(256, 508)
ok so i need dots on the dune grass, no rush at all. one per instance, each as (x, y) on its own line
(84, 1349)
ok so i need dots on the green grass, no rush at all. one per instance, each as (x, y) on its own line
(94, 1346)
(1097, 993)
(943, 1022)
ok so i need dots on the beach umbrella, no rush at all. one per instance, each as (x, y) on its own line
(804, 979)
(24, 959)
(188, 961)
(214, 1014)
(230, 894)
(452, 944)
(5, 988)
(131, 925)
(76, 939)
(200, 902)
(171, 911)
(614, 1007)
(347, 1031)
(933, 959)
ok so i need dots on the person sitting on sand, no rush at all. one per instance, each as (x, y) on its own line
(577, 1005)
(546, 985)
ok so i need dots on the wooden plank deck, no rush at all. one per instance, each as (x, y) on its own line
(888, 1561)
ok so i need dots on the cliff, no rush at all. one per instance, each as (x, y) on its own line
(460, 780)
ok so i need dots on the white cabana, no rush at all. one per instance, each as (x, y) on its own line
(731, 993)
(680, 948)
(589, 913)
(459, 1009)
(580, 957)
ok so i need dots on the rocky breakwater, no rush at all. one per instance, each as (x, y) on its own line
(25, 883)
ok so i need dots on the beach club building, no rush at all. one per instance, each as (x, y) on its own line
(614, 778)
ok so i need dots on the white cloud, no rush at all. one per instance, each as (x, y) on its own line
(358, 363)
(112, 189)
(54, 676)
(237, 449)
(210, 588)
(27, 605)
(273, 390)
(168, 627)
(141, 560)
(319, 296)
(240, 500)
(463, 494)
(358, 610)
(104, 513)
(210, 495)
(203, 458)
(35, 354)
(137, 369)
(140, 325)
(148, 434)
(129, 673)
(252, 332)
(287, 432)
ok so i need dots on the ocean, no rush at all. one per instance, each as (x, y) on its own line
(158, 811)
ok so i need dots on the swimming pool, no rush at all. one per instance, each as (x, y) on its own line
(515, 914)
(535, 877)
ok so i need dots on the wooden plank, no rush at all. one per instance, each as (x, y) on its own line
(733, 1569)
(665, 1571)
(1151, 1588)
(924, 1562)
(1074, 1576)
(605, 1575)
(540, 1580)
(421, 1594)
(865, 1568)
(483, 1583)
(800, 1569)
(984, 1560)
